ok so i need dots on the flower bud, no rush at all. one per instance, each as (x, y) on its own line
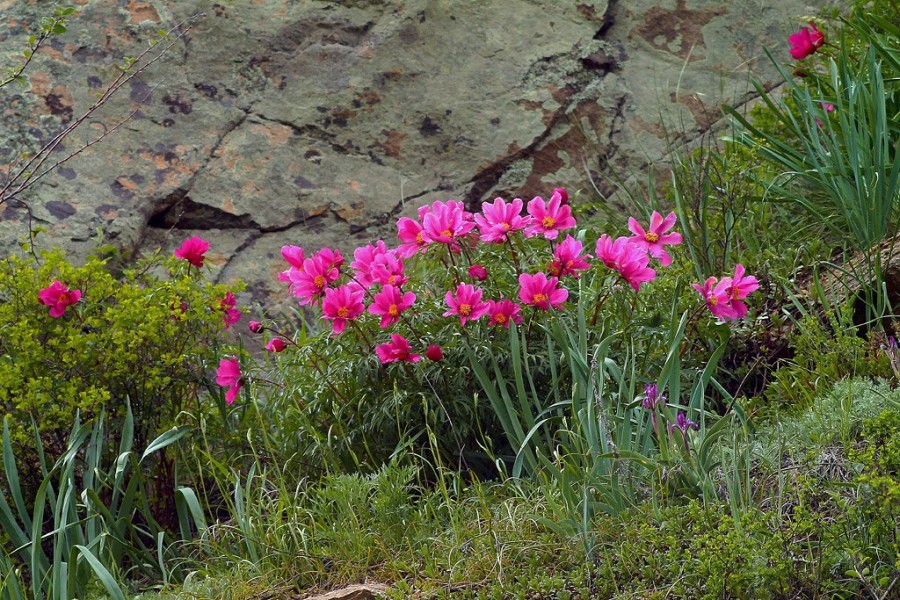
(478, 272)
(255, 326)
(434, 353)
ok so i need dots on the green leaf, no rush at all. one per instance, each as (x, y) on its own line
(166, 439)
(105, 577)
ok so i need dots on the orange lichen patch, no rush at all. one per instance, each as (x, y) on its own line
(127, 183)
(678, 31)
(369, 97)
(142, 11)
(351, 211)
(276, 135)
(228, 205)
(40, 83)
(393, 144)
(355, 186)
(108, 213)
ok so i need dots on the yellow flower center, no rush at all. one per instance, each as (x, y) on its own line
(651, 237)
(713, 300)
(447, 233)
(505, 226)
(465, 309)
(393, 310)
(319, 281)
(343, 312)
(548, 222)
(391, 279)
(540, 298)
(500, 318)
(64, 298)
(419, 239)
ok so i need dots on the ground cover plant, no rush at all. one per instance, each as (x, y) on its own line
(508, 400)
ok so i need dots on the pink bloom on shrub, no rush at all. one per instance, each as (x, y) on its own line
(255, 326)
(387, 269)
(568, 259)
(497, 220)
(503, 312)
(226, 305)
(434, 353)
(411, 234)
(563, 195)
(717, 296)
(294, 257)
(548, 219)
(342, 304)
(276, 345)
(540, 291)
(310, 283)
(229, 375)
(58, 296)
(466, 303)
(363, 259)
(627, 258)
(447, 222)
(806, 41)
(478, 272)
(828, 108)
(741, 286)
(398, 349)
(389, 303)
(332, 260)
(653, 240)
(193, 250)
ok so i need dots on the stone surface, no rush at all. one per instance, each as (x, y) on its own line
(362, 591)
(319, 123)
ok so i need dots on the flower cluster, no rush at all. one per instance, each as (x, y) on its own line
(806, 41)
(725, 298)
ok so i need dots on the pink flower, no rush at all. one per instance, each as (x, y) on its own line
(652, 241)
(567, 258)
(192, 250)
(255, 326)
(229, 375)
(398, 349)
(828, 108)
(478, 272)
(503, 312)
(294, 257)
(446, 223)
(466, 303)
(411, 234)
(363, 259)
(741, 286)
(309, 283)
(342, 304)
(627, 258)
(563, 195)
(541, 292)
(549, 219)
(226, 305)
(806, 41)
(389, 303)
(387, 269)
(276, 345)
(58, 296)
(434, 353)
(716, 295)
(332, 260)
(497, 220)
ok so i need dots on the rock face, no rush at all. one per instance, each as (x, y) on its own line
(319, 123)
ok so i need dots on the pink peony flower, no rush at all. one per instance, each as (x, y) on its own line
(255, 326)
(229, 375)
(434, 353)
(363, 259)
(332, 260)
(411, 234)
(503, 312)
(540, 291)
(806, 41)
(563, 195)
(294, 257)
(627, 258)
(387, 269)
(716, 295)
(447, 222)
(567, 258)
(309, 283)
(652, 241)
(276, 345)
(496, 221)
(548, 219)
(398, 349)
(226, 305)
(466, 303)
(478, 272)
(58, 296)
(193, 250)
(342, 304)
(389, 303)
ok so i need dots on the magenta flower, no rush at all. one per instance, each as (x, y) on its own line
(411, 234)
(466, 303)
(398, 349)
(503, 312)
(652, 399)
(276, 345)
(294, 257)
(497, 220)
(58, 296)
(332, 260)
(193, 250)
(627, 258)
(653, 240)
(716, 295)
(683, 423)
(231, 314)
(563, 195)
(434, 353)
(741, 287)
(447, 222)
(540, 291)
(548, 219)
(389, 303)
(342, 304)
(567, 258)
(478, 272)
(806, 41)
(363, 259)
(255, 326)
(309, 283)
(229, 375)
(387, 269)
